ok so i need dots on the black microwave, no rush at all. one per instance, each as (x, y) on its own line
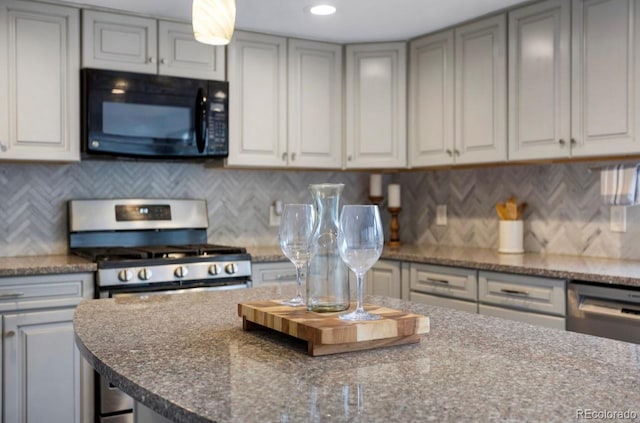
(127, 114)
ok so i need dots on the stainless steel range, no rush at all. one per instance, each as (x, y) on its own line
(150, 246)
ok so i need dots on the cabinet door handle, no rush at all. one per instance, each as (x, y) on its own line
(573, 141)
(3, 147)
(10, 333)
(514, 292)
(449, 153)
(456, 152)
(151, 59)
(440, 281)
(561, 142)
(284, 156)
(293, 157)
(286, 277)
(163, 61)
(349, 158)
(11, 294)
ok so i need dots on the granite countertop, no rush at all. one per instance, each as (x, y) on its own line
(187, 358)
(591, 269)
(44, 265)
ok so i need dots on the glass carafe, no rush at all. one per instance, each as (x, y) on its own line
(328, 277)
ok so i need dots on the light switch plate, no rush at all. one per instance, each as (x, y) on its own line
(441, 215)
(274, 219)
(618, 219)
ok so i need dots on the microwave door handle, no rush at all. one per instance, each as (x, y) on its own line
(201, 120)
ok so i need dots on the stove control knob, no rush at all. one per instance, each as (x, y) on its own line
(214, 269)
(145, 274)
(181, 272)
(231, 268)
(125, 275)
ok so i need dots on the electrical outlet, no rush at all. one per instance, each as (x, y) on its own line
(441, 215)
(618, 219)
(274, 219)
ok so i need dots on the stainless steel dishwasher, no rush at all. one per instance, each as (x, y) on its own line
(610, 312)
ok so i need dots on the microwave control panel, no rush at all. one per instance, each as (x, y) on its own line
(218, 130)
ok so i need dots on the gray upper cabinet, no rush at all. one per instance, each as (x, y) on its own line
(457, 95)
(539, 81)
(39, 82)
(605, 77)
(146, 45)
(431, 99)
(181, 55)
(573, 73)
(481, 92)
(315, 104)
(376, 89)
(119, 42)
(257, 100)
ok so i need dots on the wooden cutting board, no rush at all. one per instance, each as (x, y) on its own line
(325, 333)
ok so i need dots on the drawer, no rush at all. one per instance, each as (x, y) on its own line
(272, 273)
(542, 295)
(537, 319)
(444, 281)
(468, 306)
(25, 292)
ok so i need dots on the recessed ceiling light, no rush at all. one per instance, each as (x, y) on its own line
(322, 10)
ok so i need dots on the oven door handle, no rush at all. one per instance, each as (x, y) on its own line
(588, 305)
(201, 120)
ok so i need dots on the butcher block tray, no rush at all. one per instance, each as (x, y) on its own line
(326, 334)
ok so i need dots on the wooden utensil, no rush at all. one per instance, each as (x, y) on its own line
(502, 211)
(512, 208)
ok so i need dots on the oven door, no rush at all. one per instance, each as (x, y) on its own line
(129, 114)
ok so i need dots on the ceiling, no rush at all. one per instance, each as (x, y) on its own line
(355, 20)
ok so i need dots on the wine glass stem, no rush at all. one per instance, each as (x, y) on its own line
(299, 268)
(359, 292)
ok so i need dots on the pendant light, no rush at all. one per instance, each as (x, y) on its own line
(213, 21)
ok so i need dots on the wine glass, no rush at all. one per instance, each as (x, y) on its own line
(360, 241)
(296, 226)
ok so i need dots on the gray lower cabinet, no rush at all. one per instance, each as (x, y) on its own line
(531, 299)
(444, 286)
(384, 278)
(45, 379)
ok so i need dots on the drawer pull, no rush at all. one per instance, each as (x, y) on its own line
(514, 292)
(285, 277)
(441, 281)
(11, 294)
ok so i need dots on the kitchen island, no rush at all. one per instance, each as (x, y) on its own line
(187, 358)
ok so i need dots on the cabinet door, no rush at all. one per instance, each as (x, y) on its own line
(431, 102)
(481, 92)
(606, 71)
(315, 104)
(539, 81)
(257, 100)
(376, 105)
(384, 278)
(42, 368)
(181, 55)
(39, 82)
(119, 42)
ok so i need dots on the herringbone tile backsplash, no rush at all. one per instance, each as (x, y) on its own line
(565, 214)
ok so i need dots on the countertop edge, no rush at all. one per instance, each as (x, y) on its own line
(589, 269)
